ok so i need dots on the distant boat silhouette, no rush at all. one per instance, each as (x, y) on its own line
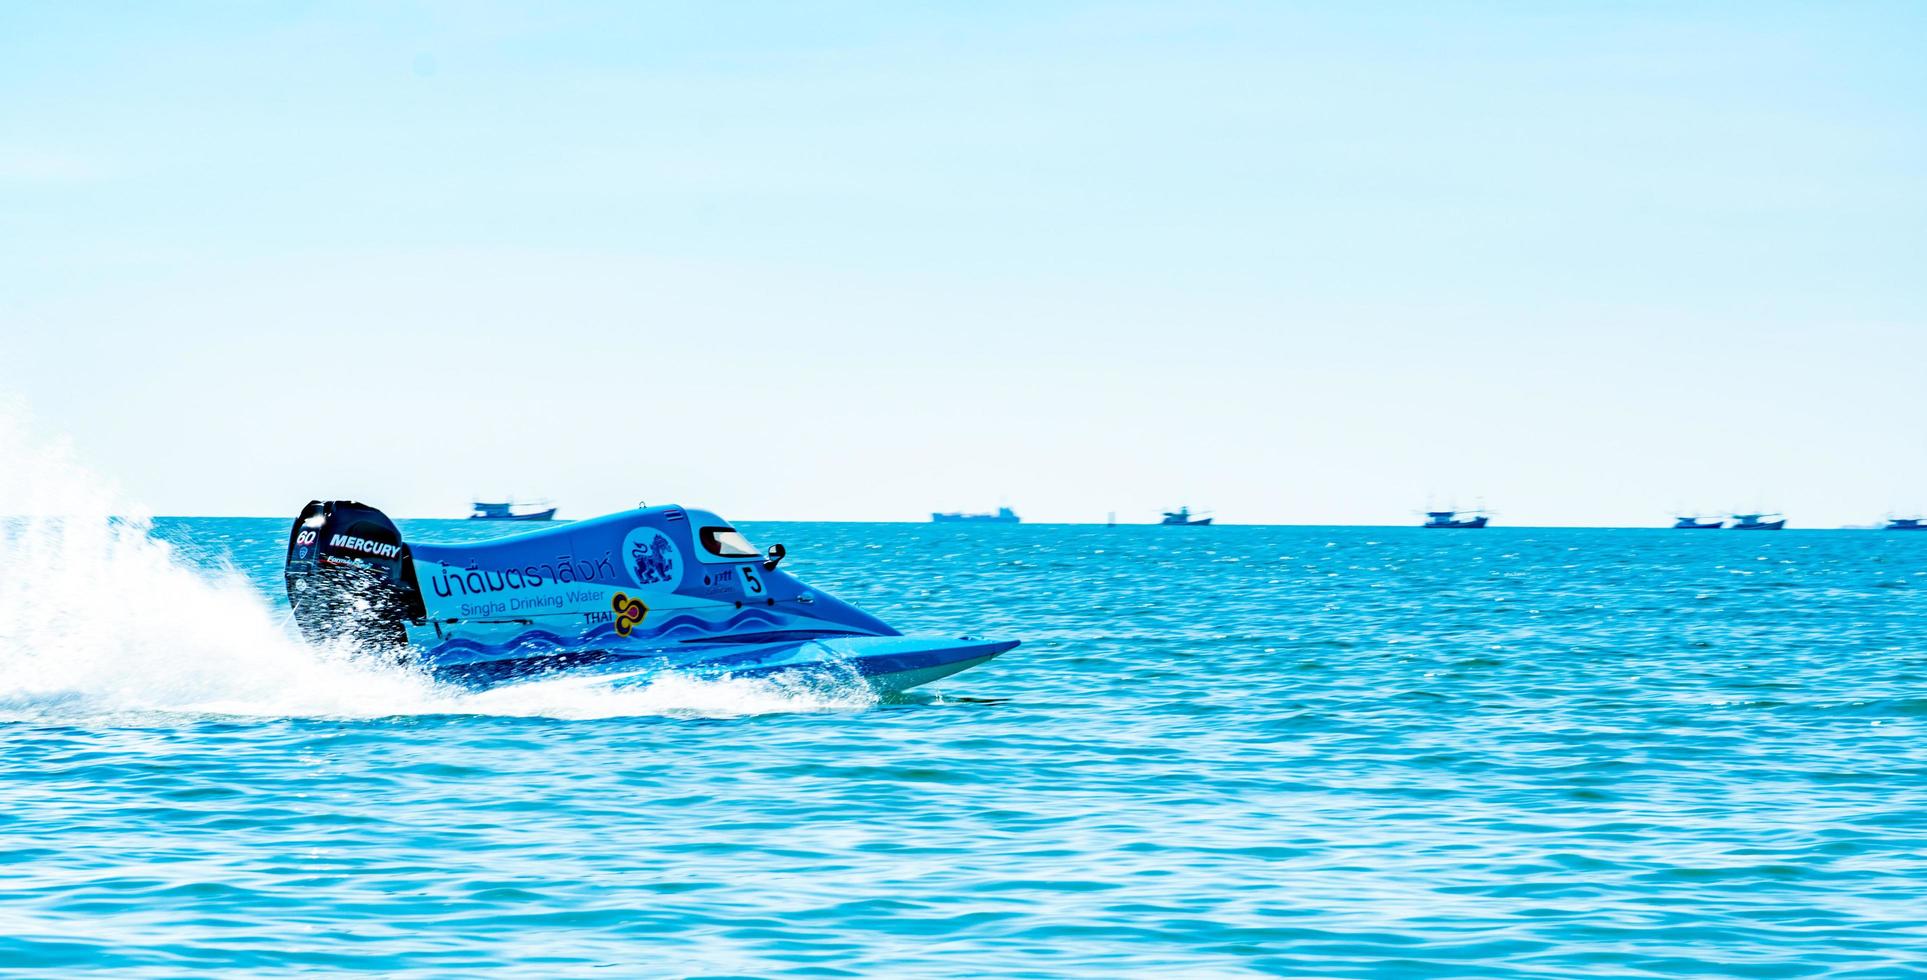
(1906, 524)
(506, 512)
(1004, 515)
(1182, 518)
(1756, 522)
(1695, 524)
(1451, 519)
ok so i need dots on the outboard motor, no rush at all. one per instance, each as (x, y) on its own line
(350, 576)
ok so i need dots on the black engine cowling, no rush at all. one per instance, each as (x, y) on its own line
(350, 576)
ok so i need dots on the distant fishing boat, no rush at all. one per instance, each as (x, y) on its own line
(1695, 524)
(1451, 519)
(505, 511)
(1004, 515)
(1756, 522)
(1182, 518)
(1906, 524)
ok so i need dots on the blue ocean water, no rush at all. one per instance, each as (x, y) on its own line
(1224, 751)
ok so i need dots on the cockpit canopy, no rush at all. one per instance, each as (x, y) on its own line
(723, 541)
(717, 540)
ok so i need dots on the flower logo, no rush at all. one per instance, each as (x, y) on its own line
(629, 611)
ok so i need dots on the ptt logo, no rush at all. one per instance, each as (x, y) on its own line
(628, 610)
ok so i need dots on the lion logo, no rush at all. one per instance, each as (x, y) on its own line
(651, 559)
(654, 561)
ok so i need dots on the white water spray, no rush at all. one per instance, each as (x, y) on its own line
(98, 618)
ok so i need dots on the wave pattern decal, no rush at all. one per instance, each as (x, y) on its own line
(602, 636)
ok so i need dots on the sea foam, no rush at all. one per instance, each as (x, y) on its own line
(99, 617)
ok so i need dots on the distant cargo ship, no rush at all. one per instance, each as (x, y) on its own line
(486, 511)
(1695, 524)
(1004, 515)
(1906, 524)
(1182, 518)
(1756, 522)
(1451, 519)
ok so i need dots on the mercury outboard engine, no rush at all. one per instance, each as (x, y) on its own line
(350, 576)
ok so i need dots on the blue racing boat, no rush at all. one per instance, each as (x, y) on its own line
(634, 593)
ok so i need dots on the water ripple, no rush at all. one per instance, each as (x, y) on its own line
(1247, 751)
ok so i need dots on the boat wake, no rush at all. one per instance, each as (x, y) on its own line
(99, 620)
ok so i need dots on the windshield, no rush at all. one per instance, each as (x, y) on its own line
(727, 542)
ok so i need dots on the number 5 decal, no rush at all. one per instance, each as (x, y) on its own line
(752, 583)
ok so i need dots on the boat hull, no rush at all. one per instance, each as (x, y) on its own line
(1473, 524)
(886, 664)
(1759, 526)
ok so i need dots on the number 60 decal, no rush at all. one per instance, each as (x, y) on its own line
(752, 583)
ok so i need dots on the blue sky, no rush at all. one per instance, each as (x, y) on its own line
(1295, 263)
